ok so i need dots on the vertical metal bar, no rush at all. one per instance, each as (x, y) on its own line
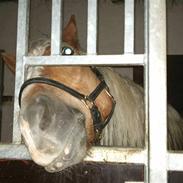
(129, 27)
(146, 86)
(157, 92)
(22, 49)
(92, 27)
(56, 30)
(1, 90)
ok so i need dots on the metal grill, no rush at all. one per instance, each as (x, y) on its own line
(155, 157)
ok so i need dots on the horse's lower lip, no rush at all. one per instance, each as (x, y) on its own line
(54, 167)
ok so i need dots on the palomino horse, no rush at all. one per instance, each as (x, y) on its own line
(64, 110)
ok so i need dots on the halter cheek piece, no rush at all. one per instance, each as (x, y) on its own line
(88, 100)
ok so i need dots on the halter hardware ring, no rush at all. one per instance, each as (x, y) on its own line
(88, 102)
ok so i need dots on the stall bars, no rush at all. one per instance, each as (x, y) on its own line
(157, 161)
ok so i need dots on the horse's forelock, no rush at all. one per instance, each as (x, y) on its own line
(38, 47)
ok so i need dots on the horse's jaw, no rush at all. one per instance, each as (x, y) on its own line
(53, 132)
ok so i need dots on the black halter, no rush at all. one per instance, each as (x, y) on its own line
(89, 100)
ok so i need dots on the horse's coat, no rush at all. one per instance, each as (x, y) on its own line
(57, 128)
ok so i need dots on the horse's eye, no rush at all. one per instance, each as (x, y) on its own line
(67, 51)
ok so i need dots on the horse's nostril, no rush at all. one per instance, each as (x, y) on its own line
(46, 112)
(46, 119)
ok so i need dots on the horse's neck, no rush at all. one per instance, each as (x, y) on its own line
(126, 127)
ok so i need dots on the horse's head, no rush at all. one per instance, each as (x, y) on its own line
(56, 125)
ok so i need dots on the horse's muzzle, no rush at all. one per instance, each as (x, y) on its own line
(54, 132)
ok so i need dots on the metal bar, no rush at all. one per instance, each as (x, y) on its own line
(92, 27)
(118, 155)
(175, 161)
(146, 87)
(129, 27)
(56, 30)
(86, 60)
(1, 91)
(22, 49)
(97, 154)
(14, 151)
(157, 92)
(133, 182)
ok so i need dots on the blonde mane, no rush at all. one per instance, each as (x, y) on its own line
(38, 47)
(126, 127)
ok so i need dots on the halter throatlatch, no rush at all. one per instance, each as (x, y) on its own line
(89, 100)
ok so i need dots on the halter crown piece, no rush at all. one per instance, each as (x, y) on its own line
(88, 100)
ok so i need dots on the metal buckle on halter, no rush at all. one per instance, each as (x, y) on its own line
(96, 116)
(87, 102)
(95, 113)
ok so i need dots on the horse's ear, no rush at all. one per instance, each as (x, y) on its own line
(70, 33)
(10, 61)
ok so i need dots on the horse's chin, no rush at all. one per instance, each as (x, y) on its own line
(53, 132)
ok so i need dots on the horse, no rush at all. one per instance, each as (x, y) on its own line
(64, 110)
